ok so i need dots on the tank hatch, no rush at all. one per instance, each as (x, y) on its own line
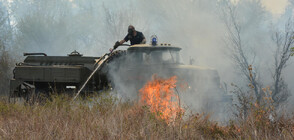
(75, 53)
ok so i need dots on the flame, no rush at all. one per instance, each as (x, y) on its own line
(159, 95)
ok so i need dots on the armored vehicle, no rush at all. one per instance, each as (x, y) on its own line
(135, 66)
(124, 70)
(40, 73)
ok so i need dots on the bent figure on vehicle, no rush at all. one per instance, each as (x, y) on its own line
(134, 36)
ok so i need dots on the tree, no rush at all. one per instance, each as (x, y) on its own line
(283, 42)
(117, 22)
(44, 26)
(5, 47)
(5, 69)
(236, 45)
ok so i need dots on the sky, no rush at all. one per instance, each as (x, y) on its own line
(277, 7)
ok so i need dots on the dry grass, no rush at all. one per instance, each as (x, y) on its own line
(107, 118)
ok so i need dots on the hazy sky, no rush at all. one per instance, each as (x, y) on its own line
(275, 6)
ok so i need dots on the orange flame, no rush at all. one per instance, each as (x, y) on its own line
(159, 95)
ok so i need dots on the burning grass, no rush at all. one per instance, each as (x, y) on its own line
(158, 95)
(105, 117)
(157, 115)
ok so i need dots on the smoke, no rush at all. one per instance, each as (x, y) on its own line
(198, 87)
(91, 27)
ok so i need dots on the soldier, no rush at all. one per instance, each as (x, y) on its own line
(134, 36)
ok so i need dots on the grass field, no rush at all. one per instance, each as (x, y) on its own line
(105, 117)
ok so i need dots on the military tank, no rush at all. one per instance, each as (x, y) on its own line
(125, 70)
(132, 68)
(39, 73)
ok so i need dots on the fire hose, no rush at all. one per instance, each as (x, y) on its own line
(100, 62)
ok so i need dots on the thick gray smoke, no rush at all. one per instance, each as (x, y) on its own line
(198, 87)
(91, 27)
